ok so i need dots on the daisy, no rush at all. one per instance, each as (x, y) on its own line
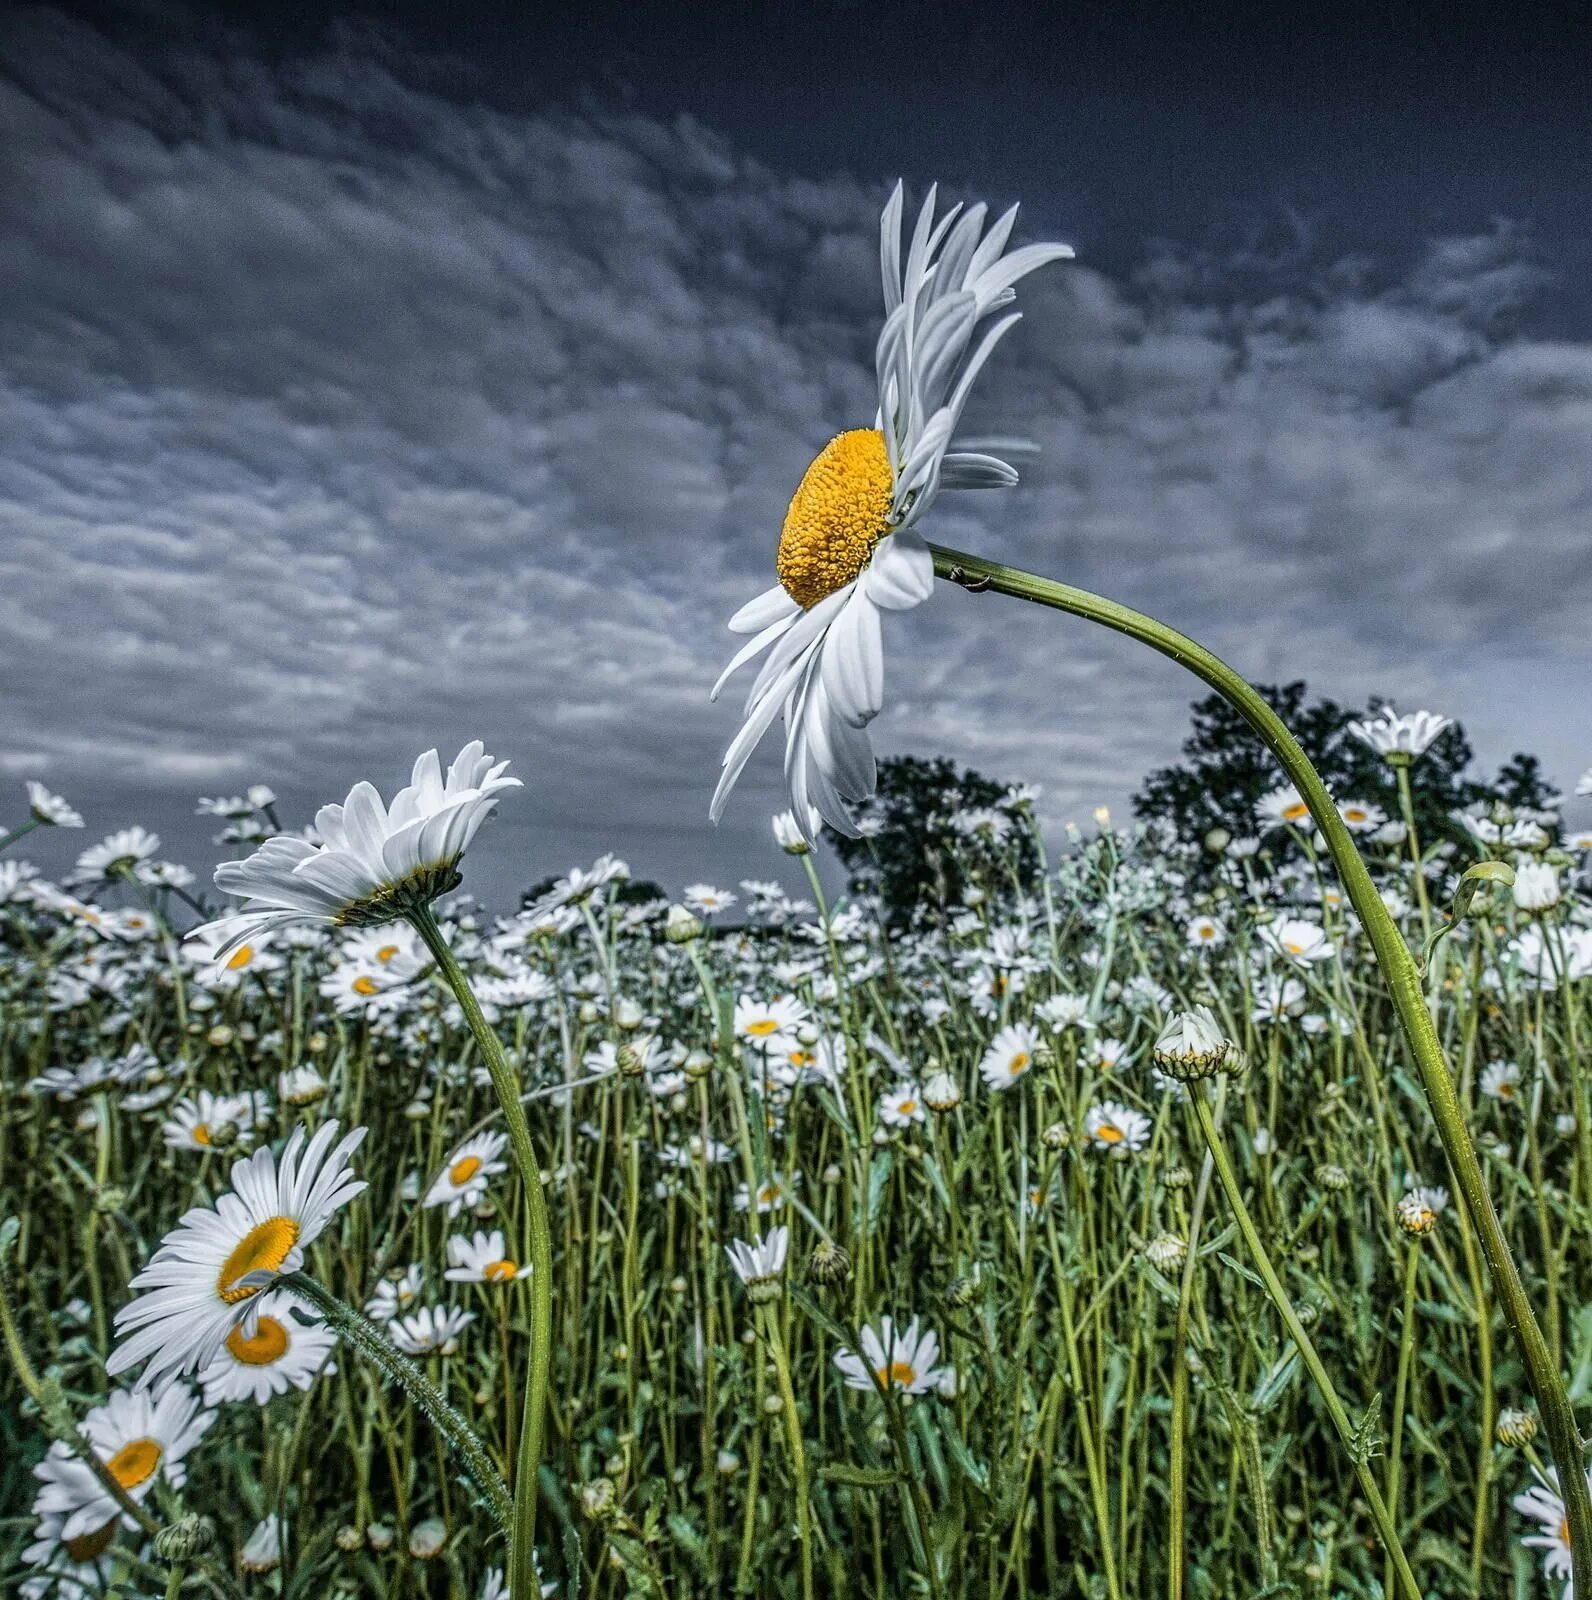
(705, 900)
(481, 1258)
(193, 1122)
(1298, 940)
(1010, 1056)
(901, 1106)
(774, 1024)
(281, 1354)
(50, 809)
(115, 856)
(395, 1295)
(763, 1260)
(141, 1440)
(1544, 1506)
(770, 1196)
(1112, 1126)
(904, 1361)
(203, 1280)
(496, 1585)
(1360, 816)
(848, 551)
(263, 1549)
(1205, 933)
(463, 1181)
(1396, 737)
(1500, 1080)
(1064, 1011)
(374, 862)
(1536, 886)
(789, 834)
(1284, 807)
(430, 1331)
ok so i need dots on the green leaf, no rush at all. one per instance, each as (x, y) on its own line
(860, 1477)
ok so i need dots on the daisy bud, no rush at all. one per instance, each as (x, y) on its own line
(109, 1199)
(632, 1062)
(587, 1012)
(628, 1015)
(1057, 1136)
(220, 1035)
(828, 1263)
(1178, 1177)
(1165, 1251)
(697, 1065)
(597, 1498)
(614, 1465)
(1217, 840)
(961, 1292)
(1516, 1428)
(728, 1463)
(831, 1173)
(1192, 1046)
(427, 1538)
(788, 836)
(621, 1353)
(1332, 1178)
(349, 1538)
(417, 1111)
(1415, 1216)
(316, 1045)
(945, 1384)
(681, 926)
(942, 1092)
(772, 1405)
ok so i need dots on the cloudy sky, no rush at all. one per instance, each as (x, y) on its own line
(374, 380)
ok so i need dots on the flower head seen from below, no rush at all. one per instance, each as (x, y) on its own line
(894, 1359)
(374, 862)
(849, 550)
(206, 1277)
(759, 1263)
(50, 809)
(1400, 738)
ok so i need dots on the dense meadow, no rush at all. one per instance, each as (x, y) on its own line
(898, 1244)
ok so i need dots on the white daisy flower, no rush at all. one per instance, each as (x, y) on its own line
(1500, 1080)
(1205, 933)
(281, 1353)
(463, 1181)
(774, 1024)
(761, 1261)
(904, 1361)
(1298, 940)
(1542, 1503)
(193, 1123)
(430, 1331)
(374, 862)
(51, 809)
(1010, 1056)
(481, 1258)
(901, 1106)
(262, 1551)
(118, 854)
(203, 1280)
(848, 551)
(1360, 816)
(392, 1296)
(1390, 734)
(705, 900)
(1536, 886)
(1112, 1126)
(770, 1196)
(141, 1438)
(1282, 807)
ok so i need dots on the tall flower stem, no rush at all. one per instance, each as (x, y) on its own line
(798, 1451)
(1341, 1421)
(360, 1334)
(1400, 973)
(1401, 1386)
(522, 1543)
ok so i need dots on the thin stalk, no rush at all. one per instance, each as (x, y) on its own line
(1401, 1387)
(1403, 980)
(522, 1543)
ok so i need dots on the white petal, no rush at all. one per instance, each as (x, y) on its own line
(901, 574)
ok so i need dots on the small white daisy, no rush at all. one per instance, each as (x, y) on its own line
(900, 1360)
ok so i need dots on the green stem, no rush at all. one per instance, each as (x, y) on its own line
(1341, 1421)
(1404, 986)
(522, 1542)
(17, 833)
(798, 1450)
(365, 1337)
(1401, 1386)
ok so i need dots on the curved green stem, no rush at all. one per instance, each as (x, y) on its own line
(362, 1335)
(522, 1543)
(1404, 985)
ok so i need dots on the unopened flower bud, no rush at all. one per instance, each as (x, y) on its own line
(1516, 1428)
(828, 1263)
(1192, 1046)
(942, 1092)
(597, 1498)
(681, 926)
(349, 1538)
(427, 1538)
(1057, 1136)
(185, 1538)
(627, 1014)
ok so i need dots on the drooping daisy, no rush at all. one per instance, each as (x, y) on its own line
(1112, 1126)
(763, 1260)
(262, 1551)
(50, 809)
(282, 1353)
(430, 1331)
(374, 861)
(1010, 1056)
(141, 1439)
(463, 1181)
(895, 1359)
(204, 1279)
(481, 1258)
(848, 551)
(1536, 886)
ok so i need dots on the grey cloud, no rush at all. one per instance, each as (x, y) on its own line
(338, 419)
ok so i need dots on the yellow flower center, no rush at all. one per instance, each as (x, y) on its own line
(907, 1108)
(262, 1249)
(241, 957)
(1207, 933)
(1293, 947)
(461, 1172)
(268, 1345)
(499, 1271)
(762, 1027)
(802, 1058)
(386, 953)
(1108, 1133)
(898, 1372)
(1353, 814)
(1018, 1063)
(201, 1133)
(366, 985)
(1295, 812)
(840, 511)
(135, 1463)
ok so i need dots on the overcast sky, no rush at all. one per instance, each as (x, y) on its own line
(387, 381)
